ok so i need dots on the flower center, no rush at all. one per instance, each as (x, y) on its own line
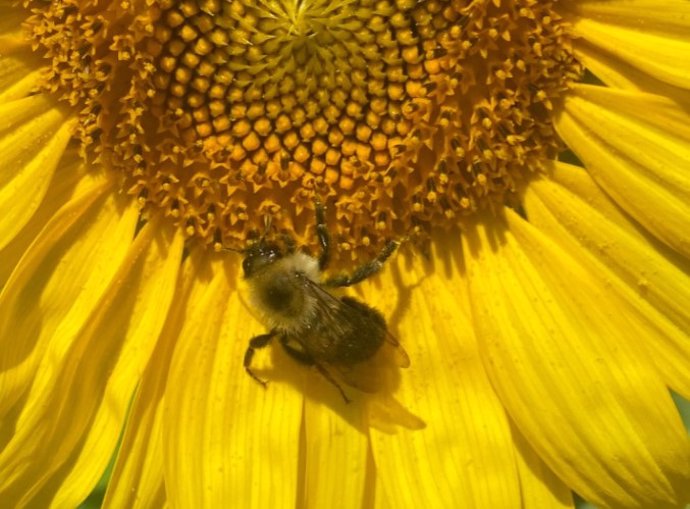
(400, 115)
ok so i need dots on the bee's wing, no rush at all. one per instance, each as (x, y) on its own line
(402, 360)
(391, 347)
(371, 374)
(378, 373)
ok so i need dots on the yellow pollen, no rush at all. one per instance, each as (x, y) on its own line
(400, 115)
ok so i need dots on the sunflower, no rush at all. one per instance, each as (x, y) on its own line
(531, 157)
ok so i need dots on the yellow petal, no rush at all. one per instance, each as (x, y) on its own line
(619, 74)
(57, 285)
(637, 147)
(19, 74)
(539, 486)
(465, 452)
(225, 437)
(119, 340)
(11, 30)
(557, 346)
(69, 181)
(652, 35)
(86, 364)
(655, 289)
(137, 479)
(33, 137)
(336, 456)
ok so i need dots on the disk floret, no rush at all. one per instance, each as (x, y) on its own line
(400, 114)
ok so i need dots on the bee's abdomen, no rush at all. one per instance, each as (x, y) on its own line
(361, 335)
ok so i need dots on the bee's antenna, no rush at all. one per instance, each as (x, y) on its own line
(233, 249)
(218, 246)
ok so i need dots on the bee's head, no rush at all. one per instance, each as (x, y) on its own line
(258, 256)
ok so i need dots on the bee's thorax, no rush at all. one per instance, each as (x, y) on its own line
(278, 291)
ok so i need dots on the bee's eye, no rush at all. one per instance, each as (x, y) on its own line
(260, 257)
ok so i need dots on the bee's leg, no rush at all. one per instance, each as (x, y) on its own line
(324, 372)
(364, 271)
(304, 358)
(256, 342)
(322, 233)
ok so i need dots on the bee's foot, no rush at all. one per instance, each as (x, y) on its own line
(264, 383)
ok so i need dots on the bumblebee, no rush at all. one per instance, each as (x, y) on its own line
(336, 335)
